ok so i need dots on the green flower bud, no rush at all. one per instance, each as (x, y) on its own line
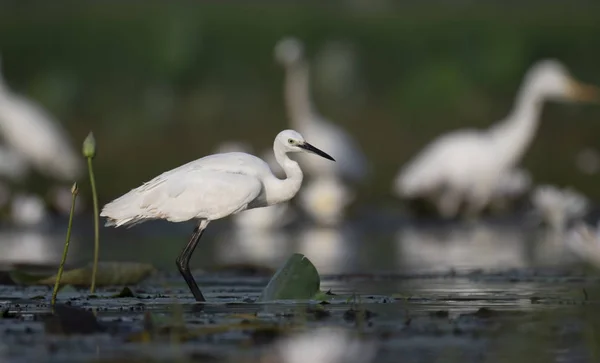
(89, 146)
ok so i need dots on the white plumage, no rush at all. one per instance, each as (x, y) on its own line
(38, 137)
(465, 165)
(303, 116)
(273, 216)
(211, 188)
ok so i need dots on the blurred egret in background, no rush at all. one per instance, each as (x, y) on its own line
(510, 187)
(37, 137)
(352, 166)
(325, 199)
(584, 242)
(211, 188)
(331, 249)
(465, 165)
(556, 207)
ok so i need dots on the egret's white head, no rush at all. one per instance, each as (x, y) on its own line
(290, 141)
(550, 79)
(288, 51)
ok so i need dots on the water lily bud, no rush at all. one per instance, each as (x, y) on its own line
(89, 146)
(74, 189)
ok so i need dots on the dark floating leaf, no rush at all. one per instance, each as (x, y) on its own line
(68, 320)
(109, 273)
(126, 292)
(297, 279)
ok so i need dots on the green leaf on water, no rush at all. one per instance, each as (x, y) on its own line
(109, 273)
(297, 279)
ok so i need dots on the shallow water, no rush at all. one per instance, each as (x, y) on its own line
(486, 292)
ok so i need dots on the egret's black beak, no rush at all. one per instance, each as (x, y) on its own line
(308, 147)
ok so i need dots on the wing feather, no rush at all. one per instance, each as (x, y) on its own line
(197, 194)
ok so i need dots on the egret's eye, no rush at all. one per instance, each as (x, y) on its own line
(291, 141)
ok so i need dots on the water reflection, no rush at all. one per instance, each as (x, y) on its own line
(479, 246)
(470, 246)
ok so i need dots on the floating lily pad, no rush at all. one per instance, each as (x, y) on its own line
(109, 273)
(297, 279)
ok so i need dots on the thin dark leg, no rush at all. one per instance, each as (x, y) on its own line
(183, 262)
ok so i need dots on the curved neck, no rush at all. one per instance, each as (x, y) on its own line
(297, 92)
(282, 190)
(513, 135)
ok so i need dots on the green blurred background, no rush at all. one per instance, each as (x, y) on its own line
(163, 83)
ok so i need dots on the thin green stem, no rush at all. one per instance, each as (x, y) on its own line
(96, 225)
(66, 249)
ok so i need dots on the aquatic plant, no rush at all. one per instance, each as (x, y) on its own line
(89, 151)
(74, 192)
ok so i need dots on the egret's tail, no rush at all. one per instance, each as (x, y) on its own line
(122, 211)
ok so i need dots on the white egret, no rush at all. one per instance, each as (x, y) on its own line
(465, 164)
(210, 188)
(304, 118)
(33, 133)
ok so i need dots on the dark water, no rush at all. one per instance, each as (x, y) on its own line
(451, 292)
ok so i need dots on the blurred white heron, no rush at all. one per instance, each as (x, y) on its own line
(584, 242)
(556, 207)
(465, 165)
(210, 188)
(511, 186)
(325, 199)
(41, 141)
(303, 116)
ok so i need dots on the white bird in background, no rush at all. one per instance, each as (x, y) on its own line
(325, 199)
(39, 139)
(465, 164)
(353, 167)
(557, 207)
(333, 250)
(511, 186)
(584, 242)
(269, 217)
(212, 188)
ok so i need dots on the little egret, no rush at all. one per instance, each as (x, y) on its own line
(211, 188)
(303, 116)
(465, 164)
